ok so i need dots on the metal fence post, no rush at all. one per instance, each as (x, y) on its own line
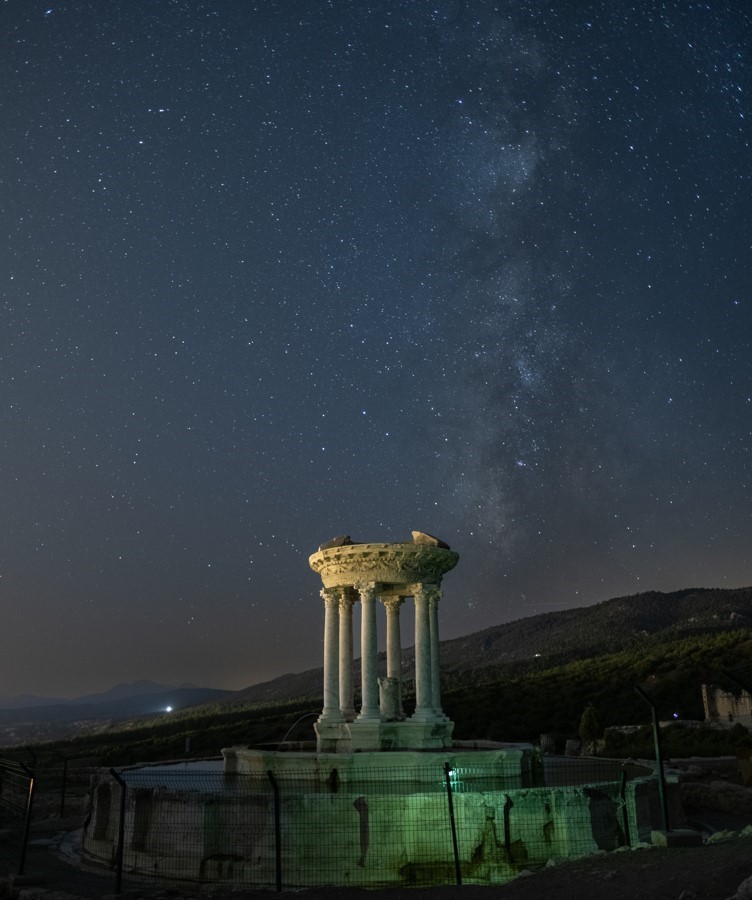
(623, 804)
(658, 756)
(277, 830)
(452, 823)
(121, 833)
(63, 787)
(27, 820)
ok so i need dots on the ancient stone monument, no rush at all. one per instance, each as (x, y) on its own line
(386, 573)
(376, 800)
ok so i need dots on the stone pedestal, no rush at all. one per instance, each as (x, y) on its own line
(347, 737)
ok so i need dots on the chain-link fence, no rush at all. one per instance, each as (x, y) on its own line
(379, 827)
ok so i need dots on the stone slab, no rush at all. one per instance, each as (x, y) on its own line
(679, 837)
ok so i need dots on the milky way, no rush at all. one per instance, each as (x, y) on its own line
(279, 271)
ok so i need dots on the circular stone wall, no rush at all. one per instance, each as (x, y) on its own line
(407, 563)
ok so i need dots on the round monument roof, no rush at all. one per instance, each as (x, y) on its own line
(389, 564)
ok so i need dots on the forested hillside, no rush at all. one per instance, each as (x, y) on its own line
(603, 628)
(494, 703)
(521, 707)
(510, 682)
(490, 703)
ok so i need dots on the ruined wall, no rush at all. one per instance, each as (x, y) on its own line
(370, 839)
(725, 708)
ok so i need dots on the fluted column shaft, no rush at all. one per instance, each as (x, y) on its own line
(330, 712)
(346, 698)
(369, 685)
(423, 682)
(433, 622)
(392, 702)
(393, 639)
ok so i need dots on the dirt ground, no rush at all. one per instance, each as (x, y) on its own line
(710, 872)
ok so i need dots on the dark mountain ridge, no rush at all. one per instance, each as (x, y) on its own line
(123, 691)
(606, 627)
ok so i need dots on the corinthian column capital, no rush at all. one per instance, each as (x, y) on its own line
(330, 596)
(346, 600)
(430, 592)
(392, 604)
(367, 589)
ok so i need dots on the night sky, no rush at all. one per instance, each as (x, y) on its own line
(281, 270)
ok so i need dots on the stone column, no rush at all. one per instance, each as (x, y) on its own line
(346, 699)
(394, 657)
(369, 710)
(434, 596)
(330, 712)
(393, 641)
(423, 682)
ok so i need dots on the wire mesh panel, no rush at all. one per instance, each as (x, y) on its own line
(16, 795)
(62, 787)
(385, 827)
(345, 822)
(502, 831)
(198, 826)
(560, 771)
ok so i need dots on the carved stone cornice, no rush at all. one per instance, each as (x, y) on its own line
(387, 564)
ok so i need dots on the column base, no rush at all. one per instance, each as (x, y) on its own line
(333, 737)
(349, 737)
(426, 716)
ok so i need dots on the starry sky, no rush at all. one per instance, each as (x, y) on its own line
(279, 270)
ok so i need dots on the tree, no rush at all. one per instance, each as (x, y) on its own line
(590, 729)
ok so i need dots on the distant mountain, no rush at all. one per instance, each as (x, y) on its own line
(122, 691)
(142, 688)
(54, 719)
(27, 701)
(296, 686)
(556, 637)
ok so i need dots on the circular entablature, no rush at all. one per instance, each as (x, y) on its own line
(405, 563)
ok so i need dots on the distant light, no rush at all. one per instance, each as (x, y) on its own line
(676, 715)
(537, 654)
(168, 709)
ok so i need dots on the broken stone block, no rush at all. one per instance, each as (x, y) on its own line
(678, 837)
(341, 540)
(420, 537)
